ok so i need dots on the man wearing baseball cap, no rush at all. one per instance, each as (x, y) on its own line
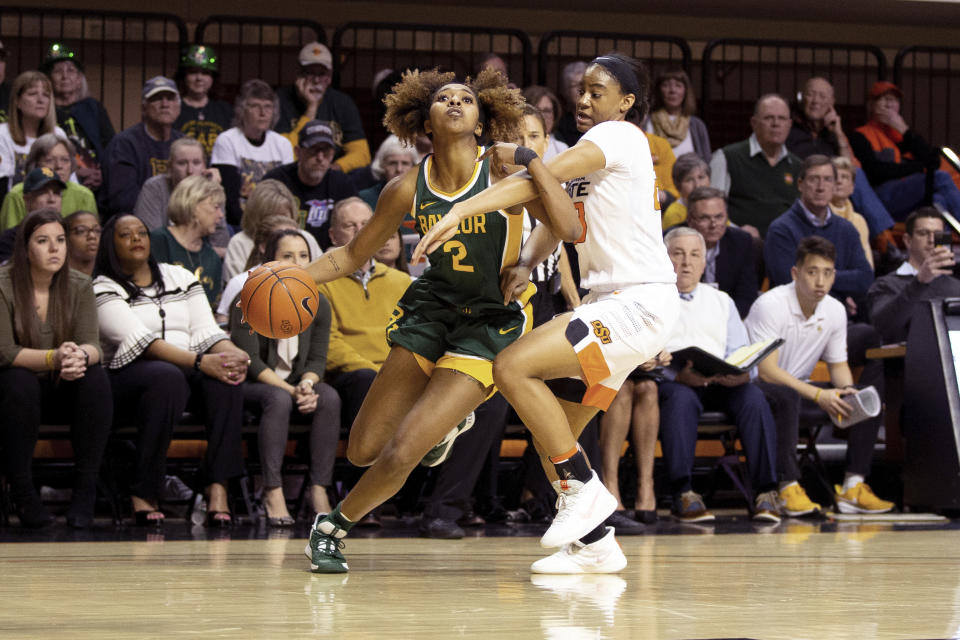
(312, 98)
(315, 187)
(897, 159)
(142, 151)
(82, 117)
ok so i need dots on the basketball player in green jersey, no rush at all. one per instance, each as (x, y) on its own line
(452, 321)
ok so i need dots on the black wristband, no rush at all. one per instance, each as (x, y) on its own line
(196, 363)
(524, 156)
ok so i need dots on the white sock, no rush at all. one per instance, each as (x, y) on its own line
(850, 480)
(784, 485)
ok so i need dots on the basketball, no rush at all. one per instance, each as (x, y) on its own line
(279, 300)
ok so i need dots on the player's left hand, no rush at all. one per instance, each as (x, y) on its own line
(501, 156)
(513, 282)
(443, 230)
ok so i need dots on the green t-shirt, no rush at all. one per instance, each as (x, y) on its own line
(76, 197)
(205, 264)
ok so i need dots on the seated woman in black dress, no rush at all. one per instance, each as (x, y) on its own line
(163, 348)
(50, 366)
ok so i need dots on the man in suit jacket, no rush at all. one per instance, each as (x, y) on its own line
(731, 262)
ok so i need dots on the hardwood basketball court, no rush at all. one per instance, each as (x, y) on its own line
(797, 580)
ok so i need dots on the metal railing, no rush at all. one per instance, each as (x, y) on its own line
(930, 80)
(361, 50)
(119, 49)
(256, 47)
(735, 72)
(559, 48)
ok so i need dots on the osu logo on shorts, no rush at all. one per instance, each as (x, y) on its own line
(601, 332)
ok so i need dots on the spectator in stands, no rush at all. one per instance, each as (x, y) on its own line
(285, 383)
(810, 215)
(814, 327)
(672, 115)
(689, 172)
(392, 255)
(32, 114)
(245, 153)
(83, 237)
(841, 204)
(50, 367)
(195, 210)
(142, 151)
(729, 260)
(549, 106)
(571, 81)
(709, 320)
(312, 182)
(758, 174)
(55, 153)
(201, 116)
(163, 348)
(817, 129)
(312, 98)
(360, 306)
(4, 85)
(270, 198)
(393, 158)
(186, 159)
(927, 274)
(43, 189)
(663, 161)
(896, 158)
(258, 246)
(85, 120)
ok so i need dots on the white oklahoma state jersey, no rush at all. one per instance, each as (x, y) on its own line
(623, 244)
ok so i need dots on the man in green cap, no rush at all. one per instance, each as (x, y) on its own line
(83, 118)
(201, 117)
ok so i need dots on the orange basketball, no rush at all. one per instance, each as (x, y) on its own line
(279, 300)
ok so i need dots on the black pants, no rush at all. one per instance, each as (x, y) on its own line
(352, 387)
(153, 394)
(26, 399)
(459, 473)
(787, 405)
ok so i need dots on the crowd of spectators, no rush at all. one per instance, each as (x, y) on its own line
(126, 252)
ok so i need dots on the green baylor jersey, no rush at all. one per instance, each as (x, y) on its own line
(465, 270)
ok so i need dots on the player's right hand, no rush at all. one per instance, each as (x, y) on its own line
(513, 282)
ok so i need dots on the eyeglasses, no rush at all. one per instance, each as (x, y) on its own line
(81, 230)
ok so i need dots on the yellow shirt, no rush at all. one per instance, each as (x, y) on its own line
(676, 213)
(859, 223)
(663, 160)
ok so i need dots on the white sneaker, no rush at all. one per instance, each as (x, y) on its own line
(602, 556)
(581, 508)
(441, 451)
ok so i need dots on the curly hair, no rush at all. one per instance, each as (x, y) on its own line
(408, 105)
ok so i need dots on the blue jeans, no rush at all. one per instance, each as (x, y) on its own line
(903, 196)
(866, 203)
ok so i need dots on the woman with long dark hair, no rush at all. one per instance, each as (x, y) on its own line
(50, 366)
(163, 348)
(286, 383)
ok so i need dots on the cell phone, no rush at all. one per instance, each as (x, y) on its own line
(943, 239)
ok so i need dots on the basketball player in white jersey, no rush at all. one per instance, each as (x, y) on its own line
(625, 320)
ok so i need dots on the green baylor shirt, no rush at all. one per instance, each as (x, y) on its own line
(465, 270)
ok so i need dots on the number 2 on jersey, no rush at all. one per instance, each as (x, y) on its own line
(459, 253)
(583, 222)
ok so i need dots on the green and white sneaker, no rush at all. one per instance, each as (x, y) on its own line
(441, 451)
(326, 541)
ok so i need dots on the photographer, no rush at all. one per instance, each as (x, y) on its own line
(928, 273)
